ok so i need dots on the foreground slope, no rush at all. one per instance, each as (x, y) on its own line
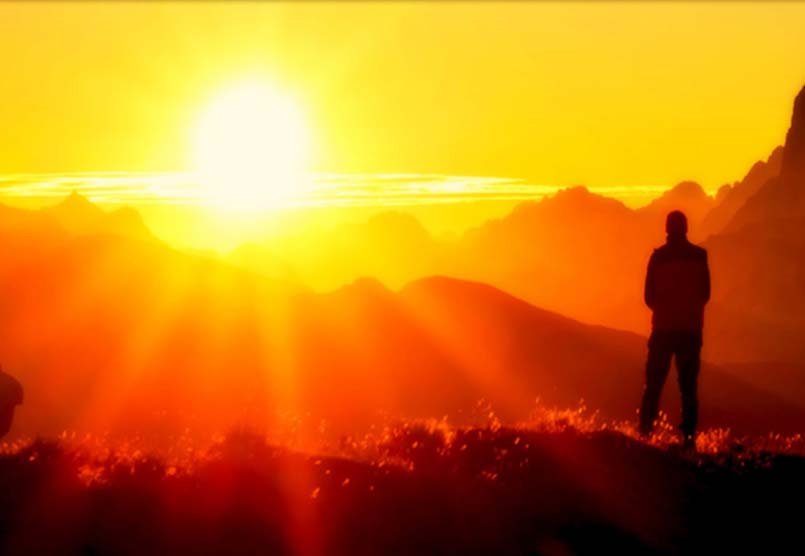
(416, 491)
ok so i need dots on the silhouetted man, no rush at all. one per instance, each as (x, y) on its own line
(10, 397)
(677, 289)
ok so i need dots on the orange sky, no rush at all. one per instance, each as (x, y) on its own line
(594, 93)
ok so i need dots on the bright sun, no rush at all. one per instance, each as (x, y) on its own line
(251, 148)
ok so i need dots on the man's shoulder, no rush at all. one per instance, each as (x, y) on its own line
(697, 251)
(686, 250)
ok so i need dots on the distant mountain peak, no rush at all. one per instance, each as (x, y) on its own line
(78, 215)
(685, 192)
(793, 167)
(687, 189)
(366, 287)
(575, 192)
(579, 197)
(75, 199)
(687, 196)
(76, 205)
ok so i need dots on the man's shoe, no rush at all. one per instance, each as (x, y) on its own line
(688, 443)
(644, 431)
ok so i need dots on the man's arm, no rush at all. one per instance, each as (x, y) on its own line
(706, 280)
(648, 288)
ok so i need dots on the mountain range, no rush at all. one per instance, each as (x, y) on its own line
(109, 328)
(125, 335)
(584, 255)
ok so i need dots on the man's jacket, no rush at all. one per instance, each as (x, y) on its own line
(677, 285)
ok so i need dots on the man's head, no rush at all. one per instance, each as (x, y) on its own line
(676, 224)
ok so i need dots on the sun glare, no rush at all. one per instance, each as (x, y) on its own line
(251, 148)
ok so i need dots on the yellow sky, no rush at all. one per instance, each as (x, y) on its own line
(595, 93)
